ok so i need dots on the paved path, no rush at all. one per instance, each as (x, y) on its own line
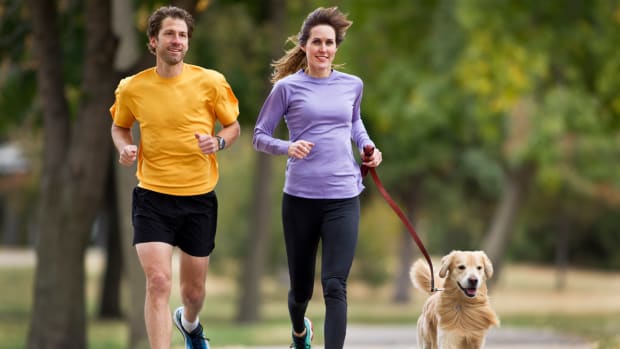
(404, 337)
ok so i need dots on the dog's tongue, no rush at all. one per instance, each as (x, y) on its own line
(470, 291)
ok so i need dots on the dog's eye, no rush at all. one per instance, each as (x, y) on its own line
(479, 267)
(462, 267)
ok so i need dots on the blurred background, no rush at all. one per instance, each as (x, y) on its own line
(499, 123)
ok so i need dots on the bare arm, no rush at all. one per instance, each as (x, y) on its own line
(209, 144)
(230, 133)
(123, 141)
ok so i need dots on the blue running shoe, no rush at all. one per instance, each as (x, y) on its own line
(193, 340)
(304, 342)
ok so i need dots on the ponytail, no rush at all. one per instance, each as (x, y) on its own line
(292, 61)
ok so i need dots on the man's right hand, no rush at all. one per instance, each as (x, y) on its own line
(128, 155)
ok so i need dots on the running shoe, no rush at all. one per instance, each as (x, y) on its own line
(193, 340)
(304, 342)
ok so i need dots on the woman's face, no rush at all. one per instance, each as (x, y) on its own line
(320, 50)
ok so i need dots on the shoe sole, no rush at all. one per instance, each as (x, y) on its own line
(311, 328)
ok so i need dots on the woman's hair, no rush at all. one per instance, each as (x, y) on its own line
(295, 58)
(155, 20)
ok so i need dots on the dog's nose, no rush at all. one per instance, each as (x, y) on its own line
(473, 282)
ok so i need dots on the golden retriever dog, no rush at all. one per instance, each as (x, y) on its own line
(458, 316)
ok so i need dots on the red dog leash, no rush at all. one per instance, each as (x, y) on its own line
(368, 150)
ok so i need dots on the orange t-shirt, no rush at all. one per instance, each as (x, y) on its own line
(170, 111)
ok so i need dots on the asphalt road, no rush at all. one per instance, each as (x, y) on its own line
(404, 337)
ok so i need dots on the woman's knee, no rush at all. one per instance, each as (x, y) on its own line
(335, 288)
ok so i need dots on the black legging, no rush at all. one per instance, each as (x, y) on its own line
(335, 223)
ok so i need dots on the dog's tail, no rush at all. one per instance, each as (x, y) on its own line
(420, 275)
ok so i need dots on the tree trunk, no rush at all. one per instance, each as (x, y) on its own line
(125, 182)
(128, 56)
(402, 283)
(502, 226)
(561, 249)
(73, 173)
(260, 221)
(258, 239)
(110, 301)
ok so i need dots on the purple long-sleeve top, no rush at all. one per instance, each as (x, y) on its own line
(326, 112)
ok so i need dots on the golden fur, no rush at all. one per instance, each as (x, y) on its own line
(459, 315)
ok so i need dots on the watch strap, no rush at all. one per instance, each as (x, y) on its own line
(221, 143)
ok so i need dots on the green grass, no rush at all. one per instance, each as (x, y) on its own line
(603, 328)
(369, 307)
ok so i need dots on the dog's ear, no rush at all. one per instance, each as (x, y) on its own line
(488, 266)
(445, 264)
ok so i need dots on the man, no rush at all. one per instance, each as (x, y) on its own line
(177, 106)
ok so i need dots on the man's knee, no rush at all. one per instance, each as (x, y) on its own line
(158, 284)
(193, 295)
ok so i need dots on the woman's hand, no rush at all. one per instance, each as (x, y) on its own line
(300, 149)
(372, 160)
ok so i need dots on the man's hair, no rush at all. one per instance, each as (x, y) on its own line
(157, 17)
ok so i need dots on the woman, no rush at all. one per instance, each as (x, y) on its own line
(321, 107)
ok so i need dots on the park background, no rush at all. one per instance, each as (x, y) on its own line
(498, 121)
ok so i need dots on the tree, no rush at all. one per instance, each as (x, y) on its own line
(482, 101)
(108, 231)
(392, 65)
(546, 82)
(259, 229)
(127, 59)
(76, 151)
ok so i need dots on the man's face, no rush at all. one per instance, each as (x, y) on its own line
(172, 41)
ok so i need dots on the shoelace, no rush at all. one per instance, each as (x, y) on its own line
(198, 339)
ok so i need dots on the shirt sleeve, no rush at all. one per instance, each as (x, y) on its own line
(359, 135)
(274, 108)
(226, 105)
(120, 111)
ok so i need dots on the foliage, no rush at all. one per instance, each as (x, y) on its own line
(17, 78)
(457, 93)
(246, 66)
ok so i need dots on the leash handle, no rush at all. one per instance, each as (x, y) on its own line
(368, 150)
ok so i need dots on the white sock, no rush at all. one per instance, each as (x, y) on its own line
(189, 326)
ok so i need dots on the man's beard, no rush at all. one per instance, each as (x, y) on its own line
(172, 59)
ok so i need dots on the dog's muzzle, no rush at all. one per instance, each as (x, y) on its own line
(471, 289)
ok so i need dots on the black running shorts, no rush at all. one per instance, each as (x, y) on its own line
(188, 222)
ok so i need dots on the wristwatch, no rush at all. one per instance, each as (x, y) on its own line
(221, 143)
